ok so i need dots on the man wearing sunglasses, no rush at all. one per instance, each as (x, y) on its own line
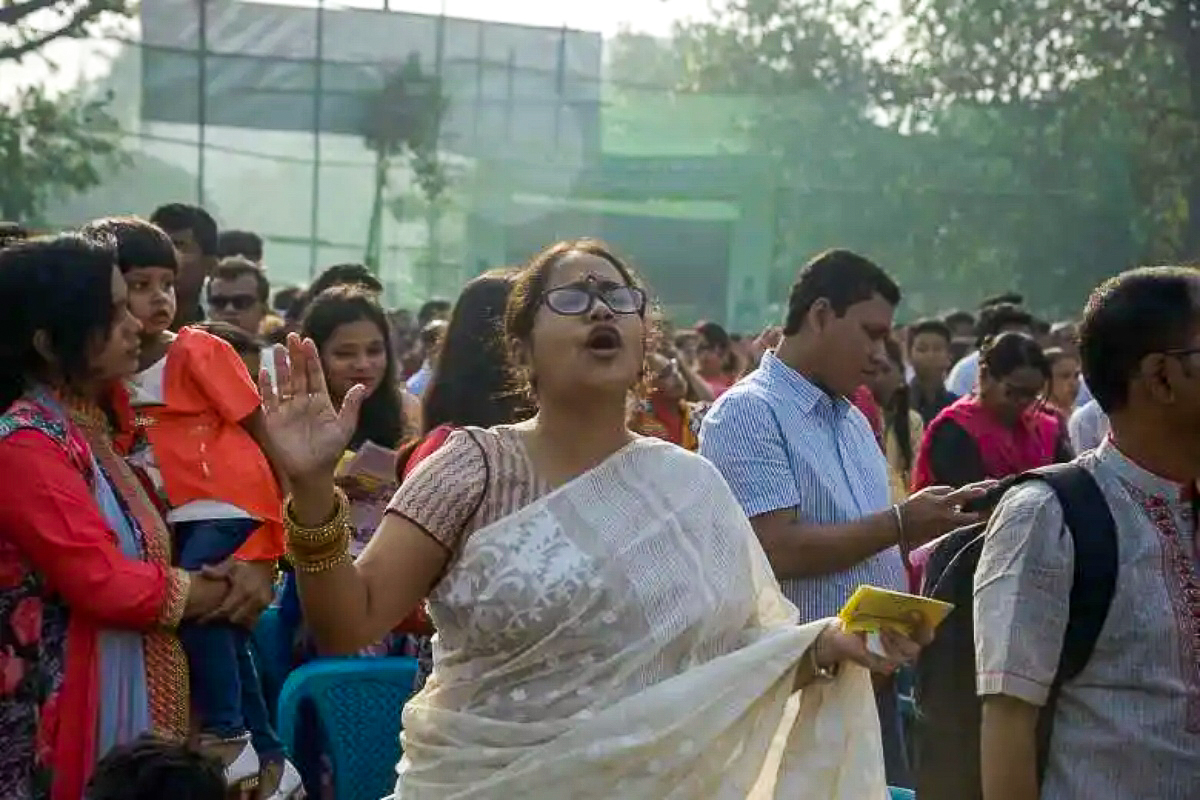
(238, 294)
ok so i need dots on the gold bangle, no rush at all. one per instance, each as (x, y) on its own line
(323, 547)
(324, 564)
(324, 558)
(319, 535)
(308, 553)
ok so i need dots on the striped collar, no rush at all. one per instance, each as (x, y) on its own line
(807, 394)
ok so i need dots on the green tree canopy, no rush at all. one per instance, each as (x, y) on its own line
(51, 147)
(1038, 146)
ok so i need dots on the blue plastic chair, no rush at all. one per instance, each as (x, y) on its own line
(902, 794)
(272, 653)
(358, 703)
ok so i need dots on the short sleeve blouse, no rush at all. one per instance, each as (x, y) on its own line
(475, 478)
(444, 490)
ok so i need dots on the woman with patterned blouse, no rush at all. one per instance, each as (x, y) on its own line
(89, 601)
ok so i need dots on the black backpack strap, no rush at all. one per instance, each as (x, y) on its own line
(1089, 521)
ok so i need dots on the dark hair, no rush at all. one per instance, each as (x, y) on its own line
(995, 319)
(1008, 352)
(1057, 354)
(934, 326)
(841, 277)
(1139, 312)
(529, 287)
(139, 243)
(898, 405)
(61, 285)
(150, 768)
(1005, 299)
(430, 309)
(234, 267)
(241, 341)
(958, 317)
(382, 417)
(714, 335)
(175, 217)
(246, 244)
(285, 298)
(471, 380)
(350, 274)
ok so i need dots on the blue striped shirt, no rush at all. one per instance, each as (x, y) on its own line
(783, 443)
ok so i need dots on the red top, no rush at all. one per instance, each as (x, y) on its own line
(864, 401)
(418, 621)
(719, 385)
(428, 446)
(52, 527)
(1004, 450)
(200, 445)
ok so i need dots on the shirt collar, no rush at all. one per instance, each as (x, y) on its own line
(1140, 478)
(809, 395)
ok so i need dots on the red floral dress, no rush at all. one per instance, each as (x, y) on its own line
(33, 642)
(64, 578)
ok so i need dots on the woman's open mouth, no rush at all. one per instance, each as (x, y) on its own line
(603, 341)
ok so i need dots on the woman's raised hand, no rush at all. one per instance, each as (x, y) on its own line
(307, 435)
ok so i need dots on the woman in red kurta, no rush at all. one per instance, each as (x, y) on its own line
(88, 600)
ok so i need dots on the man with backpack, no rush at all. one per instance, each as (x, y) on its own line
(1087, 640)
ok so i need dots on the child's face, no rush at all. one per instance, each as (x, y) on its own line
(152, 298)
(929, 355)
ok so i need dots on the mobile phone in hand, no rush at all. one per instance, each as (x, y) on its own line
(989, 499)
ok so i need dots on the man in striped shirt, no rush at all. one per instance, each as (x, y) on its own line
(805, 465)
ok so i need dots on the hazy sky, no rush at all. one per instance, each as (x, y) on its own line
(82, 59)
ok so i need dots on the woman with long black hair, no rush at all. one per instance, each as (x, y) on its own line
(471, 383)
(902, 427)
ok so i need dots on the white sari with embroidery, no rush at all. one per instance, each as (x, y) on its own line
(623, 637)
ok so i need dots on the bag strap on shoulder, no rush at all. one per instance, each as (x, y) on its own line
(1093, 531)
(1089, 521)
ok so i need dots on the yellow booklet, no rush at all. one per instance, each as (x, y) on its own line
(870, 610)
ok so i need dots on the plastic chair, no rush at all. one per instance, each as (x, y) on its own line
(902, 794)
(272, 648)
(358, 703)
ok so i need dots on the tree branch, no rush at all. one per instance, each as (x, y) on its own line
(77, 21)
(12, 14)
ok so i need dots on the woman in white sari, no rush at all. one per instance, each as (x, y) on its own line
(608, 625)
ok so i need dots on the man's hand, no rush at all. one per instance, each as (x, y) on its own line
(250, 590)
(937, 510)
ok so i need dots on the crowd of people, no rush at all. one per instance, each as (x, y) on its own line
(617, 548)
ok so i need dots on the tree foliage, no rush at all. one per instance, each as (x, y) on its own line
(970, 145)
(26, 26)
(405, 119)
(51, 147)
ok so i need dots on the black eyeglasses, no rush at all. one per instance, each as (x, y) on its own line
(577, 299)
(1021, 394)
(236, 302)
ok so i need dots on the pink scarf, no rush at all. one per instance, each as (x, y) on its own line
(1004, 450)
(864, 401)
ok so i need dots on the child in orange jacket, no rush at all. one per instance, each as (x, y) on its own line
(198, 415)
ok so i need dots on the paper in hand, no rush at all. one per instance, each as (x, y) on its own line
(371, 461)
(369, 479)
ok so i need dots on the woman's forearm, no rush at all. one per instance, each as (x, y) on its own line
(337, 608)
(335, 600)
